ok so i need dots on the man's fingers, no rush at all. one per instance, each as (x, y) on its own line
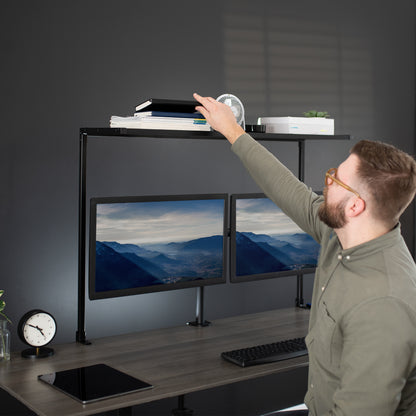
(207, 102)
(202, 110)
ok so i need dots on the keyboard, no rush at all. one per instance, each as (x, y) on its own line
(268, 353)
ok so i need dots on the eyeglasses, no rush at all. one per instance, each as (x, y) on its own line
(330, 178)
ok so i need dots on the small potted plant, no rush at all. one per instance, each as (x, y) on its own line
(4, 332)
(314, 113)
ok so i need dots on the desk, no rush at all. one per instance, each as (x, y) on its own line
(177, 361)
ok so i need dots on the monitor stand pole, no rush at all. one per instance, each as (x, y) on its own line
(299, 290)
(300, 303)
(199, 320)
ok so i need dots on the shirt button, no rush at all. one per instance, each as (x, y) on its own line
(348, 257)
(339, 256)
(323, 288)
(311, 385)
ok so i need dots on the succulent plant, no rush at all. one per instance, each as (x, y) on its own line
(314, 113)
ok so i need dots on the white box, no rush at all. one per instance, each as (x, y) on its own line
(298, 125)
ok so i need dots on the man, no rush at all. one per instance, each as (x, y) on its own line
(362, 330)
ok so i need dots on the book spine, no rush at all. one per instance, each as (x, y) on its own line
(168, 114)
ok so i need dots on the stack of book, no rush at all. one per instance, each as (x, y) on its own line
(163, 114)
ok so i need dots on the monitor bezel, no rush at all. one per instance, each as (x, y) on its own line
(94, 201)
(234, 278)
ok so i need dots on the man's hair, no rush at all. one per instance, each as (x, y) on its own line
(389, 175)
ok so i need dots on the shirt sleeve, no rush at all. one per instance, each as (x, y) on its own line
(377, 359)
(290, 194)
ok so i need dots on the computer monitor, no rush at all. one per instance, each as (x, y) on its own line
(266, 243)
(156, 243)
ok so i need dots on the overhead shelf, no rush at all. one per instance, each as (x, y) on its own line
(208, 135)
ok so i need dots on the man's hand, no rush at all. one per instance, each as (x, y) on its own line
(220, 117)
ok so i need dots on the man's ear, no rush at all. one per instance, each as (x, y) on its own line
(355, 207)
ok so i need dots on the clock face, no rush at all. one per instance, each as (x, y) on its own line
(38, 328)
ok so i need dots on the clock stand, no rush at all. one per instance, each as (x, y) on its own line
(37, 352)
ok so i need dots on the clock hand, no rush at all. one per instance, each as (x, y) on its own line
(39, 329)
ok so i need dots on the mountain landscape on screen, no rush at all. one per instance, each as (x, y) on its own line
(157, 242)
(262, 253)
(123, 266)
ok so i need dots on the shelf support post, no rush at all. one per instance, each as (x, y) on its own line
(301, 175)
(80, 334)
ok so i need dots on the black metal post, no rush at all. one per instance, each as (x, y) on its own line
(199, 320)
(299, 291)
(301, 163)
(80, 334)
(301, 175)
(181, 410)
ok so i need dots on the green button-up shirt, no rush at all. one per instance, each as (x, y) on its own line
(362, 330)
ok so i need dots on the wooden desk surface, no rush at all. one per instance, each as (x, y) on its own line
(175, 361)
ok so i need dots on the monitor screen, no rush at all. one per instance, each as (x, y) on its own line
(154, 243)
(266, 243)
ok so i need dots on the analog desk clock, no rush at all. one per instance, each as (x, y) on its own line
(37, 328)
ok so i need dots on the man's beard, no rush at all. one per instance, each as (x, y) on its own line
(332, 215)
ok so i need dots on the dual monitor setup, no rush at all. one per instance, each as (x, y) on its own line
(156, 243)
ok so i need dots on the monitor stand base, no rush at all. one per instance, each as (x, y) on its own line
(196, 323)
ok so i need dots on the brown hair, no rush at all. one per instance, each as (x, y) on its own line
(389, 175)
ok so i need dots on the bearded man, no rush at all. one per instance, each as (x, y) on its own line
(362, 329)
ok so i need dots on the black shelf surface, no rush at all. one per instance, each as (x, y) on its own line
(209, 135)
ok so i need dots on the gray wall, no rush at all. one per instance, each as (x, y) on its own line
(68, 65)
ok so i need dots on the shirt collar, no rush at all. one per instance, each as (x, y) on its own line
(373, 246)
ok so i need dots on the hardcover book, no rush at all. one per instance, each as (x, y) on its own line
(168, 114)
(161, 104)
